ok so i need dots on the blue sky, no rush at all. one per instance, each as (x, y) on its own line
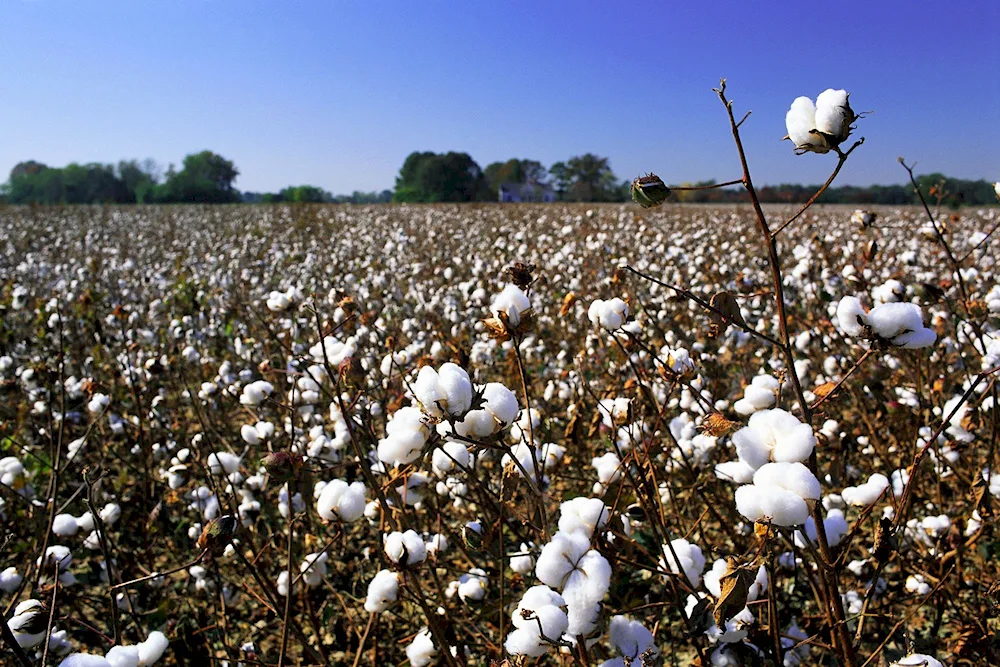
(337, 93)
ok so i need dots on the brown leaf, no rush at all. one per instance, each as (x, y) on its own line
(825, 389)
(726, 310)
(885, 540)
(567, 304)
(735, 585)
(716, 426)
(982, 500)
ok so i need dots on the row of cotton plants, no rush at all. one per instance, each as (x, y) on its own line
(560, 434)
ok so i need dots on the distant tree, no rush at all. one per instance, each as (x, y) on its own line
(560, 178)
(205, 178)
(587, 178)
(304, 194)
(448, 177)
(138, 180)
(514, 171)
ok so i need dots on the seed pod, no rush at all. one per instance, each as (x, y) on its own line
(282, 466)
(217, 535)
(649, 191)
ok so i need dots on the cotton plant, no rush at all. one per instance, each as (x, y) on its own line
(760, 394)
(610, 314)
(582, 574)
(823, 126)
(540, 621)
(892, 324)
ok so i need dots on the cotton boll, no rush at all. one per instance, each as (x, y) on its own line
(123, 656)
(891, 319)
(793, 476)
(608, 469)
(631, 639)
(85, 660)
(520, 562)
(539, 613)
(382, 591)
(421, 650)
(454, 382)
(735, 471)
(405, 548)
(448, 456)
(340, 500)
(65, 525)
(851, 316)
(559, 557)
(10, 580)
(223, 463)
(835, 526)
(834, 115)
(867, 493)
(692, 561)
(501, 403)
(582, 515)
(780, 506)
(29, 623)
(917, 660)
(428, 392)
(751, 449)
(250, 435)
(800, 121)
(512, 302)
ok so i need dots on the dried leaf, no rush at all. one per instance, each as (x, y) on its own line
(735, 585)
(567, 304)
(885, 540)
(716, 426)
(700, 618)
(982, 500)
(825, 389)
(726, 310)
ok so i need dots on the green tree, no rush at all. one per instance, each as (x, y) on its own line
(448, 177)
(589, 178)
(514, 171)
(205, 178)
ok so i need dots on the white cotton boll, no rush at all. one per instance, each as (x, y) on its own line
(792, 476)
(421, 650)
(867, 493)
(614, 412)
(448, 456)
(382, 591)
(692, 561)
(85, 660)
(751, 448)
(631, 639)
(559, 557)
(917, 660)
(405, 548)
(477, 424)
(833, 114)
(851, 316)
(340, 500)
(151, 650)
(313, 569)
(250, 435)
(584, 589)
(608, 469)
(800, 121)
(914, 340)
(123, 656)
(65, 525)
(401, 447)
(438, 544)
(427, 391)
(583, 515)
(472, 586)
(890, 319)
(98, 403)
(520, 562)
(28, 623)
(255, 393)
(735, 471)
(10, 580)
(782, 507)
(501, 403)
(223, 463)
(835, 525)
(512, 302)
(457, 388)
(545, 616)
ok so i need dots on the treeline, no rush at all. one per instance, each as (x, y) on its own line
(310, 194)
(951, 192)
(456, 177)
(204, 178)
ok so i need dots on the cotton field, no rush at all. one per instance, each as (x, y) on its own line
(499, 434)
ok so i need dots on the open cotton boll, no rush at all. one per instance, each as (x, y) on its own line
(917, 660)
(630, 640)
(521, 562)
(835, 525)
(406, 434)
(851, 316)
(428, 392)
(405, 548)
(255, 393)
(65, 525)
(123, 656)
(834, 115)
(29, 623)
(781, 506)
(583, 515)
(792, 476)
(340, 500)
(608, 469)
(800, 121)
(421, 650)
(471, 586)
(223, 463)
(760, 394)
(614, 411)
(891, 319)
(512, 302)
(610, 314)
(85, 660)
(559, 557)
(867, 493)
(313, 568)
(10, 580)
(454, 382)
(250, 435)
(539, 613)
(692, 561)
(584, 588)
(477, 424)
(500, 402)
(735, 471)
(383, 590)
(448, 456)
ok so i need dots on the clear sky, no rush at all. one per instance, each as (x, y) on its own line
(336, 93)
